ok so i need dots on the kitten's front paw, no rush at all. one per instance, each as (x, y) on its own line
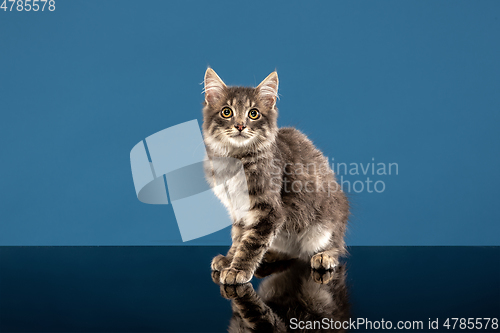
(220, 262)
(323, 261)
(216, 277)
(234, 276)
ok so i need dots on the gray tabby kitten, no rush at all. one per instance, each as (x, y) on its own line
(297, 209)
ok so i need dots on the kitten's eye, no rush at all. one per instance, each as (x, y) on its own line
(226, 113)
(254, 114)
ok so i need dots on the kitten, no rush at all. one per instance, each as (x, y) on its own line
(294, 296)
(297, 209)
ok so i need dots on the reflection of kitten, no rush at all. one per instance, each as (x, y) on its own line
(296, 297)
(296, 207)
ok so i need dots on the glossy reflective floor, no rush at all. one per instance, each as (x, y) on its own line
(170, 289)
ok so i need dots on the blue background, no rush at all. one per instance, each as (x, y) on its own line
(413, 83)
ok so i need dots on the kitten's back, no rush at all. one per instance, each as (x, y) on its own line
(296, 146)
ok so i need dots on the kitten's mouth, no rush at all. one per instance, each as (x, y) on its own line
(239, 139)
(239, 135)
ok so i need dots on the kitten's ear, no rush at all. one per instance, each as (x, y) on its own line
(214, 86)
(268, 89)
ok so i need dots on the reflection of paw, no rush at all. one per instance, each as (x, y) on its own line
(323, 261)
(322, 277)
(234, 276)
(220, 262)
(235, 291)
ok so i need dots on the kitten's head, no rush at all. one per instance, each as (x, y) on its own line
(239, 119)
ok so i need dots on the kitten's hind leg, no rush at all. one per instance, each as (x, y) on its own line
(273, 256)
(325, 260)
(268, 268)
(273, 262)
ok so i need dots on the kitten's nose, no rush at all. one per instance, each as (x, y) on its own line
(240, 127)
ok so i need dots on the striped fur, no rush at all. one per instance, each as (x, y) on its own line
(296, 206)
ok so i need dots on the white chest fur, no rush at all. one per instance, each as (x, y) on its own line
(233, 193)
